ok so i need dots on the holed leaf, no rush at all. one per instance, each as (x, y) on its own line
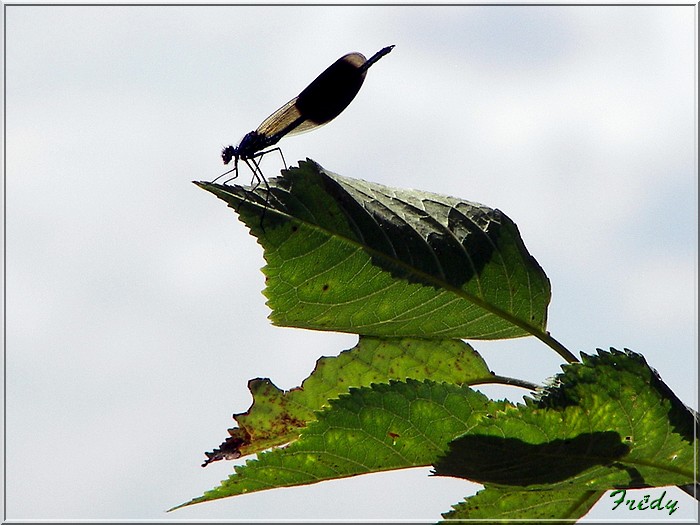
(383, 427)
(277, 417)
(353, 256)
(608, 422)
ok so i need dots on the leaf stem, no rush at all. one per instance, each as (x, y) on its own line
(555, 345)
(502, 380)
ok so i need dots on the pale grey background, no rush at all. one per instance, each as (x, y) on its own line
(134, 312)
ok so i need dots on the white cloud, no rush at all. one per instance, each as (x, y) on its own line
(134, 309)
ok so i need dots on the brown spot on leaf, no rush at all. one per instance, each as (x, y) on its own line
(229, 449)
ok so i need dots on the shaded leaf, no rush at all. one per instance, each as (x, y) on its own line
(512, 461)
(276, 417)
(608, 422)
(352, 256)
(610, 400)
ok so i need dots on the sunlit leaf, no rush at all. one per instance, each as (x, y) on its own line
(504, 506)
(276, 417)
(353, 256)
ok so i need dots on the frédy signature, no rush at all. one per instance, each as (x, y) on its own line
(644, 503)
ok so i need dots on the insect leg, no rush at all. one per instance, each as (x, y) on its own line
(235, 170)
(232, 170)
(260, 177)
(270, 151)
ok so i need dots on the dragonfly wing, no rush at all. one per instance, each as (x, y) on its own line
(331, 92)
(305, 126)
(280, 122)
(322, 100)
(286, 121)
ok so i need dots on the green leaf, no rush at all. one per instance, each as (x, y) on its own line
(608, 422)
(383, 427)
(352, 256)
(502, 505)
(276, 417)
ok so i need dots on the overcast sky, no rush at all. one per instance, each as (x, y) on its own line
(134, 307)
